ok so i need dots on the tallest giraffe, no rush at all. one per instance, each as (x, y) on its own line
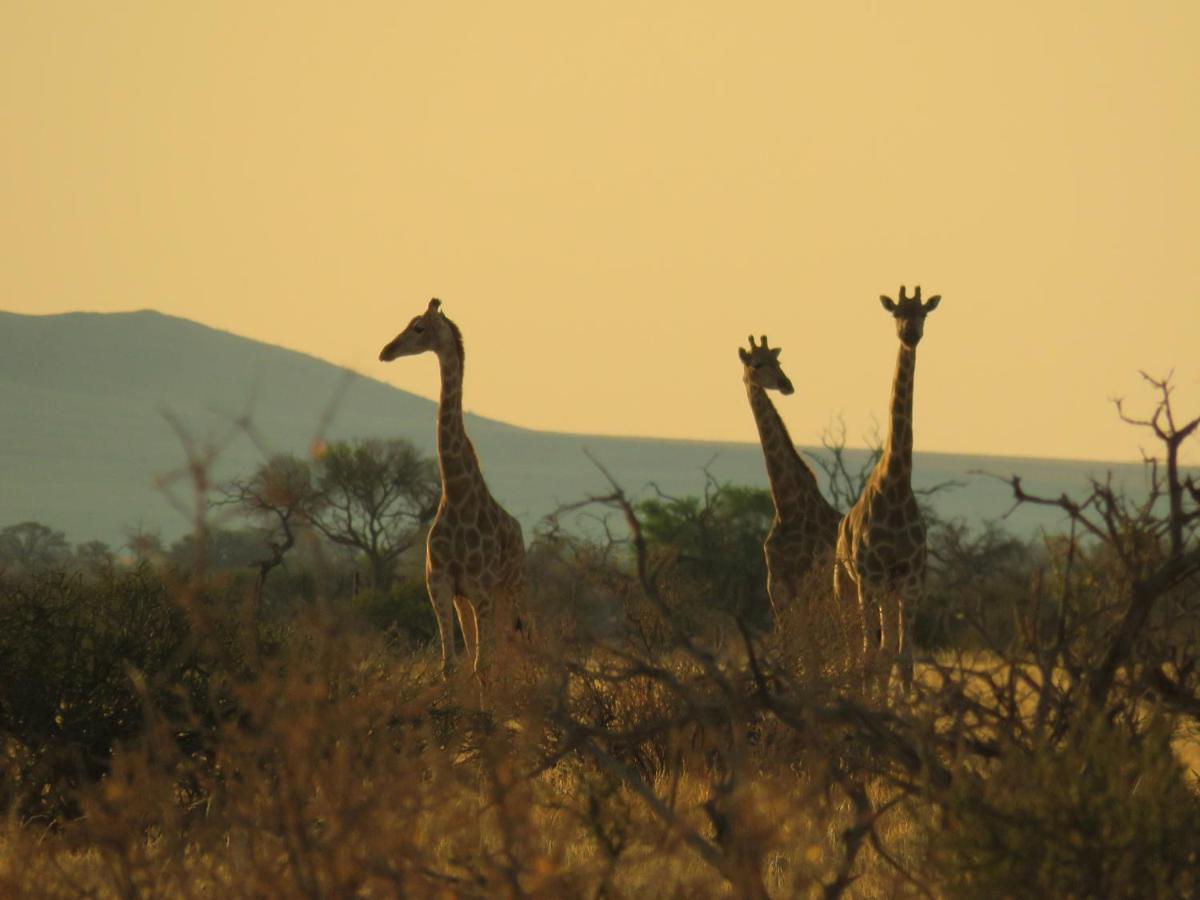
(475, 554)
(881, 541)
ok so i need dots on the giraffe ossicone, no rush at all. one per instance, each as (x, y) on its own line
(475, 553)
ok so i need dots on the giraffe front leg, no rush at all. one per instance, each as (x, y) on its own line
(498, 629)
(884, 640)
(906, 606)
(441, 597)
(773, 595)
(891, 615)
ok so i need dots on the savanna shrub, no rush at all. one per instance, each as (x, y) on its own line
(404, 607)
(67, 649)
(1108, 813)
(974, 579)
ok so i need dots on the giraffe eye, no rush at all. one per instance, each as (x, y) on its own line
(418, 328)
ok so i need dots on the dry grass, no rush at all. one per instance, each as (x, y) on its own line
(612, 766)
(351, 769)
(991, 670)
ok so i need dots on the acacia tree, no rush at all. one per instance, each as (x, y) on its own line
(278, 497)
(368, 496)
(373, 497)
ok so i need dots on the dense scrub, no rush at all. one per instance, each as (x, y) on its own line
(190, 731)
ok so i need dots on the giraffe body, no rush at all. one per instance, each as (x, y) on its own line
(475, 554)
(881, 547)
(804, 528)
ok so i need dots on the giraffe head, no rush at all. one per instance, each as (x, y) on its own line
(910, 315)
(762, 367)
(430, 331)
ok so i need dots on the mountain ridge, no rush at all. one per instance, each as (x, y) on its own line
(84, 396)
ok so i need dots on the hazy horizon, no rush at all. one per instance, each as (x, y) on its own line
(102, 408)
(815, 442)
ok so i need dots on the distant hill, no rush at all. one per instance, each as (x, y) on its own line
(85, 400)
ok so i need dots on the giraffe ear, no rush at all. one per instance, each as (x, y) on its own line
(775, 352)
(434, 305)
(743, 355)
(932, 302)
(888, 303)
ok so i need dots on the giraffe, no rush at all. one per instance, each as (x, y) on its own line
(881, 540)
(804, 529)
(475, 553)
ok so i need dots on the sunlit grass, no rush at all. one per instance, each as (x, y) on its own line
(626, 764)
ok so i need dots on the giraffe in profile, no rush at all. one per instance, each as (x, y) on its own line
(804, 529)
(881, 541)
(475, 554)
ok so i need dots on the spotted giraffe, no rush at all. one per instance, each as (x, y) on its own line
(475, 554)
(881, 540)
(804, 529)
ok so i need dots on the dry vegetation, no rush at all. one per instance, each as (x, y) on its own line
(171, 733)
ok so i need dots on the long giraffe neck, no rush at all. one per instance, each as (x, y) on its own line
(896, 461)
(794, 487)
(461, 475)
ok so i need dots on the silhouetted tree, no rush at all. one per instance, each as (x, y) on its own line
(144, 546)
(278, 498)
(94, 557)
(1152, 556)
(223, 549)
(32, 545)
(368, 497)
(844, 481)
(373, 497)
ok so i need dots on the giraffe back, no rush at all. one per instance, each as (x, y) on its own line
(882, 538)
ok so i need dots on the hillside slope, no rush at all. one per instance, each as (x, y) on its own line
(87, 401)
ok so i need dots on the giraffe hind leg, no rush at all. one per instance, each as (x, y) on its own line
(850, 613)
(441, 597)
(497, 626)
(468, 621)
(875, 666)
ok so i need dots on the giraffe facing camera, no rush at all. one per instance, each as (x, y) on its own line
(881, 547)
(910, 314)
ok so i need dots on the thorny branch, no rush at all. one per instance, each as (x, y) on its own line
(828, 723)
(1134, 532)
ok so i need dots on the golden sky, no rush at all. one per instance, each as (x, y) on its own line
(609, 197)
